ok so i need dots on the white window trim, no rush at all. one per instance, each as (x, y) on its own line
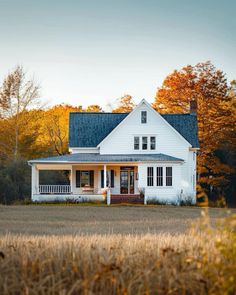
(164, 186)
(138, 143)
(143, 111)
(148, 142)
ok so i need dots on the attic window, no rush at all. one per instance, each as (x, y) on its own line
(143, 117)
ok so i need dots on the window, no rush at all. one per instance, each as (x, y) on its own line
(136, 143)
(152, 143)
(84, 178)
(168, 176)
(149, 176)
(159, 176)
(144, 142)
(143, 117)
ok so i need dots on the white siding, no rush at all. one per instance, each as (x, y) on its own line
(168, 141)
(80, 198)
(83, 150)
(161, 193)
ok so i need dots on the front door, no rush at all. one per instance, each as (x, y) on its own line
(127, 181)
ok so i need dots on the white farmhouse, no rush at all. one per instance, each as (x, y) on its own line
(134, 156)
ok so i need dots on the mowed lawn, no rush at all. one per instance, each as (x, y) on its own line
(83, 220)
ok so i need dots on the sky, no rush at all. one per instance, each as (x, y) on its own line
(93, 52)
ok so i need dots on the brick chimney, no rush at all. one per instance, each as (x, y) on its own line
(193, 107)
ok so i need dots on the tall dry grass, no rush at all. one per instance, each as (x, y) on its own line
(116, 264)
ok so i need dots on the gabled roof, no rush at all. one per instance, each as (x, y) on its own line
(186, 125)
(89, 129)
(97, 158)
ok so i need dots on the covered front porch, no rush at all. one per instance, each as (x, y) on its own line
(85, 182)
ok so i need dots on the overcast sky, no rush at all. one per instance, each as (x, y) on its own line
(91, 52)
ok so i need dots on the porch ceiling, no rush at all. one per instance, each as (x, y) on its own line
(97, 158)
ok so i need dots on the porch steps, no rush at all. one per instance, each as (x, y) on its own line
(130, 199)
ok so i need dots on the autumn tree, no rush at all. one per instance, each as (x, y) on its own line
(94, 108)
(125, 104)
(54, 129)
(207, 86)
(17, 95)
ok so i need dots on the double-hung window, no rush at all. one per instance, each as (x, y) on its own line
(84, 178)
(136, 143)
(144, 142)
(169, 179)
(149, 176)
(159, 176)
(143, 117)
(152, 143)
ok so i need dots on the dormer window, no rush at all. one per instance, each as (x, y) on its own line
(143, 117)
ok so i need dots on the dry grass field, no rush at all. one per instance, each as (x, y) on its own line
(70, 220)
(117, 250)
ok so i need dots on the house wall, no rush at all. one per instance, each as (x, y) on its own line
(83, 150)
(161, 193)
(168, 141)
(181, 189)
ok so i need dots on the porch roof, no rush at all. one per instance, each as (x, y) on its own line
(97, 158)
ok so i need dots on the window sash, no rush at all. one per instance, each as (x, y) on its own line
(159, 176)
(144, 142)
(169, 177)
(136, 143)
(152, 143)
(144, 117)
(149, 176)
(84, 178)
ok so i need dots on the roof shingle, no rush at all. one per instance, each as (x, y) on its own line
(97, 158)
(89, 129)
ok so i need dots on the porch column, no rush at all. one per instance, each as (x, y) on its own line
(71, 180)
(105, 176)
(34, 181)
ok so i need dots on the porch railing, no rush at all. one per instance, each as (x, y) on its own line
(54, 189)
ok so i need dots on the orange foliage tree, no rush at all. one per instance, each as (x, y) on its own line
(125, 104)
(207, 86)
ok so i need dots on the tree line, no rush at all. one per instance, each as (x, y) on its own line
(28, 130)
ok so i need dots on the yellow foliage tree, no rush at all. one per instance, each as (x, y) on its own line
(125, 105)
